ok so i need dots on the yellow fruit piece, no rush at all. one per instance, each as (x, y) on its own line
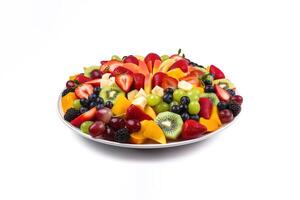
(201, 89)
(176, 73)
(137, 137)
(165, 66)
(149, 111)
(140, 57)
(67, 101)
(121, 105)
(148, 84)
(153, 131)
(131, 95)
(214, 122)
(72, 78)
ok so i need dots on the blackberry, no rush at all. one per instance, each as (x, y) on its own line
(122, 135)
(235, 108)
(231, 92)
(67, 90)
(71, 114)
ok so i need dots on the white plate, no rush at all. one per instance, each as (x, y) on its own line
(137, 146)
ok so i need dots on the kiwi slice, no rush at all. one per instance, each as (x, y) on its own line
(88, 70)
(224, 83)
(110, 93)
(170, 123)
(213, 97)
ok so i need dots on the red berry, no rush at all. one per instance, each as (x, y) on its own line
(134, 112)
(152, 57)
(222, 94)
(169, 82)
(133, 125)
(96, 74)
(218, 74)
(158, 79)
(238, 99)
(226, 116)
(139, 80)
(116, 123)
(182, 64)
(131, 59)
(124, 81)
(97, 129)
(70, 84)
(192, 129)
(84, 91)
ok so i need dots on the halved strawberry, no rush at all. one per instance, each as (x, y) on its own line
(169, 82)
(121, 70)
(84, 91)
(124, 81)
(95, 82)
(206, 107)
(182, 64)
(222, 94)
(139, 80)
(134, 112)
(131, 59)
(218, 74)
(158, 79)
(87, 116)
(192, 129)
(82, 79)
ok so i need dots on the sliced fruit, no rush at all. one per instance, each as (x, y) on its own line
(206, 107)
(121, 70)
(139, 57)
(165, 66)
(141, 102)
(131, 59)
(134, 112)
(149, 111)
(148, 84)
(224, 83)
(153, 131)
(170, 123)
(222, 94)
(84, 91)
(124, 81)
(110, 66)
(192, 78)
(141, 93)
(218, 74)
(158, 91)
(139, 80)
(158, 79)
(131, 95)
(200, 89)
(138, 137)
(156, 65)
(214, 122)
(182, 64)
(121, 105)
(185, 85)
(87, 116)
(213, 97)
(176, 73)
(88, 70)
(150, 59)
(82, 79)
(95, 82)
(67, 101)
(192, 129)
(169, 82)
(110, 93)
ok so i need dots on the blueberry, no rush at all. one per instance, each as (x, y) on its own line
(185, 116)
(84, 102)
(109, 104)
(169, 90)
(222, 105)
(168, 98)
(209, 89)
(83, 109)
(93, 104)
(99, 106)
(207, 82)
(93, 97)
(183, 108)
(175, 109)
(99, 100)
(231, 92)
(185, 100)
(195, 117)
(97, 90)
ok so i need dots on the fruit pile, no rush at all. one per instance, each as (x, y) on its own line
(152, 99)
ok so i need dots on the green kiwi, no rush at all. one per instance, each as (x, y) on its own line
(88, 70)
(224, 83)
(170, 123)
(213, 97)
(110, 93)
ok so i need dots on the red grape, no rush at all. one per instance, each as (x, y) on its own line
(104, 115)
(238, 99)
(226, 116)
(97, 129)
(96, 74)
(116, 123)
(70, 84)
(109, 133)
(133, 125)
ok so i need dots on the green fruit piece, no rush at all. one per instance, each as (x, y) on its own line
(110, 93)
(224, 83)
(88, 70)
(193, 94)
(76, 104)
(115, 57)
(208, 77)
(162, 107)
(164, 57)
(84, 127)
(170, 123)
(173, 103)
(178, 93)
(194, 107)
(213, 97)
(153, 99)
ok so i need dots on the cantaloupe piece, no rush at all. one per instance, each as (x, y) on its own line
(121, 105)
(149, 111)
(176, 73)
(153, 131)
(67, 101)
(214, 122)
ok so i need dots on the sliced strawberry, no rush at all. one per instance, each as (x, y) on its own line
(192, 79)
(121, 70)
(82, 79)
(192, 129)
(182, 64)
(206, 107)
(222, 94)
(134, 112)
(218, 74)
(169, 82)
(158, 79)
(131, 59)
(95, 82)
(124, 81)
(196, 73)
(84, 91)
(139, 80)
(87, 116)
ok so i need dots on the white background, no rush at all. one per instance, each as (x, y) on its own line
(257, 45)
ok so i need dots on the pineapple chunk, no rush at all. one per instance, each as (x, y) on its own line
(158, 91)
(185, 85)
(141, 102)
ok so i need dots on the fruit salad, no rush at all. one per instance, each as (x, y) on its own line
(152, 99)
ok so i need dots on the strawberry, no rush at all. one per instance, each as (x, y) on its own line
(124, 81)
(192, 129)
(182, 64)
(192, 79)
(103, 62)
(82, 79)
(121, 70)
(206, 107)
(222, 94)
(169, 82)
(150, 59)
(84, 91)
(218, 74)
(131, 59)
(95, 82)
(139, 80)
(134, 112)
(158, 79)
(110, 66)
(87, 116)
